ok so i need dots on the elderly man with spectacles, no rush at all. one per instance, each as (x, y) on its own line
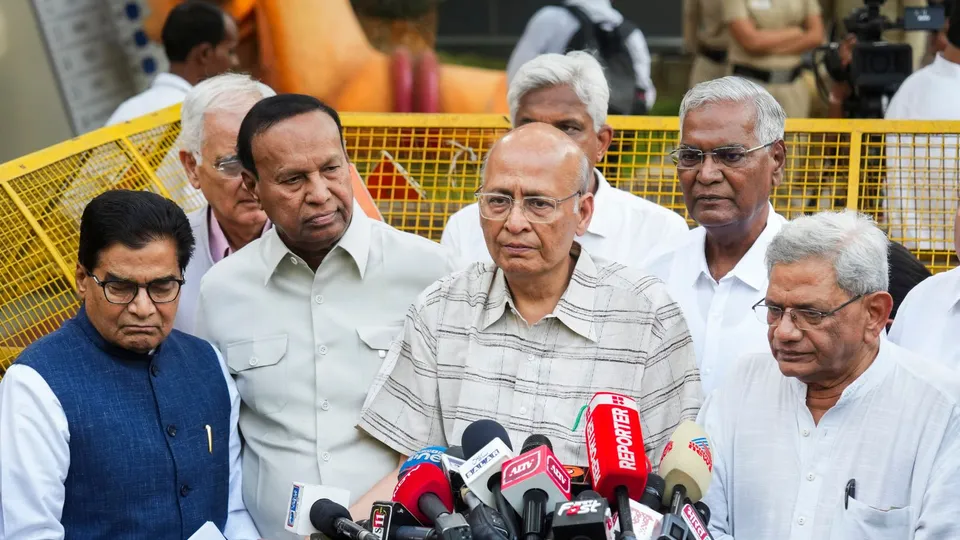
(731, 157)
(835, 432)
(528, 339)
(231, 219)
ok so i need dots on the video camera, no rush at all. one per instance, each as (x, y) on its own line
(877, 68)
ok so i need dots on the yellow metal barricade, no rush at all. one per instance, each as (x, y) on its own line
(422, 168)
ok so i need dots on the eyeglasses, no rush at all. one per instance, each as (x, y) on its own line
(121, 291)
(733, 157)
(537, 209)
(804, 319)
(229, 166)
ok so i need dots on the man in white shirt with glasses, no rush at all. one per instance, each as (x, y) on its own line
(731, 157)
(231, 219)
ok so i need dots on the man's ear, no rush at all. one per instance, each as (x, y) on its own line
(586, 213)
(251, 185)
(606, 137)
(879, 305)
(779, 152)
(81, 277)
(202, 54)
(189, 162)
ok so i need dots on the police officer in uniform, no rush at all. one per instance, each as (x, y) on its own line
(705, 35)
(768, 38)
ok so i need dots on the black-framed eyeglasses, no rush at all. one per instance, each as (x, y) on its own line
(122, 291)
(804, 319)
(731, 156)
(537, 209)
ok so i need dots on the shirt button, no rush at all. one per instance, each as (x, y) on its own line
(154, 370)
(318, 299)
(325, 405)
(810, 476)
(254, 360)
(806, 433)
(172, 430)
(322, 349)
(294, 260)
(382, 354)
(523, 410)
(801, 520)
(184, 489)
(531, 358)
(325, 456)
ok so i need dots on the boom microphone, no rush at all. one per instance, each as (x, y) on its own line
(618, 463)
(534, 481)
(425, 492)
(334, 521)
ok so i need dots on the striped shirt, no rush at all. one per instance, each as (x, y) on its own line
(466, 353)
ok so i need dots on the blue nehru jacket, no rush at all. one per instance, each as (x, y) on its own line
(140, 465)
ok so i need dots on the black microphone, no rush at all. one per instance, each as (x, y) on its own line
(704, 511)
(387, 517)
(582, 519)
(334, 521)
(482, 471)
(455, 451)
(485, 522)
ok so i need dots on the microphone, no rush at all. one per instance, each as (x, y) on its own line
(704, 511)
(334, 521)
(582, 519)
(615, 451)
(533, 481)
(485, 522)
(455, 451)
(430, 454)
(645, 514)
(302, 498)
(579, 479)
(425, 492)
(687, 468)
(387, 517)
(488, 445)
(451, 469)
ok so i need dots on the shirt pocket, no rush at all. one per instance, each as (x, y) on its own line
(860, 521)
(260, 371)
(379, 338)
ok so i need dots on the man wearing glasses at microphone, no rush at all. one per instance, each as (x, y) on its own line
(116, 426)
(839, 433)
(528, 339)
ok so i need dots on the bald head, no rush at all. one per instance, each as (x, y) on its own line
(541, 147)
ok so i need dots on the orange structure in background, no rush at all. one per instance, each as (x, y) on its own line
(318, 47)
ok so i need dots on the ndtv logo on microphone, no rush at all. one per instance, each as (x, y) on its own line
(578, 508)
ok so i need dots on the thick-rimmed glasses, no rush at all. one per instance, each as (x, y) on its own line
(537, 209)
(121, 291)
(731, 156)
(804, 319)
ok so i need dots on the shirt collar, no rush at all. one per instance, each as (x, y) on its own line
(750, 269)
(172, 81)
(575, 308)
(219, 245)
(604, 222)
(355, 241)
(945, 66)
(873, 377)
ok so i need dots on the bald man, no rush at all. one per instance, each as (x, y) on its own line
(527, 339)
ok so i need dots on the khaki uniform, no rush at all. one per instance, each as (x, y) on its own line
(705, 32)
(774, 15)
(838, 10)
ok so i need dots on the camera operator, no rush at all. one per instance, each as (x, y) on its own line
(835, 11)
(768, 39)
(922, 169)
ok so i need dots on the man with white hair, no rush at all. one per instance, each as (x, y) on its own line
(530, 338)
(836, 432)
(929, 316)
(231, 219)
(730, 158)
(570, 92)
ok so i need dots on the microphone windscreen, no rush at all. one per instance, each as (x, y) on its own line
(534, 441)
(455, 451)
(687, 461)
(418, 481)
(429, 455)
(324, 513)
(481, 432)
